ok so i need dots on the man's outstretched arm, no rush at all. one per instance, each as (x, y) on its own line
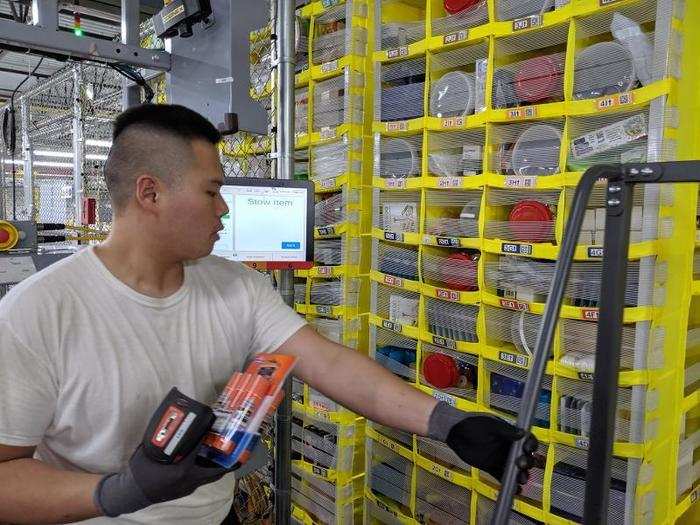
(358, 383)
(364, 386)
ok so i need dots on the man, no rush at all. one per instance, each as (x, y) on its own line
(90, 346)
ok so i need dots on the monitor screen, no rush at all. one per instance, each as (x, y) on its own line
(268, 221)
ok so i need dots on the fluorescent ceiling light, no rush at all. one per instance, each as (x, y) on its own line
(57, 154)
(43, 163)
(99, 143)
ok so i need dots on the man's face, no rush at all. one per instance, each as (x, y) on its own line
(191, 211)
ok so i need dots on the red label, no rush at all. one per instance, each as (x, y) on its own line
(393, 281)
(449, 295)
(514, 305)
(590, 314)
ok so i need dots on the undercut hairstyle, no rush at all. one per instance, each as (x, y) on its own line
(154, 139)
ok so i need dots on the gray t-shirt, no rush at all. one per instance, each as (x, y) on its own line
(85, 360)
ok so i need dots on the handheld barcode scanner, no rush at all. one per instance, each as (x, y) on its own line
(176, 428)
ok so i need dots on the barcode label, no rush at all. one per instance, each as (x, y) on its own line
(527, 23)
(521, 113)
(457, 36)
(397, 52)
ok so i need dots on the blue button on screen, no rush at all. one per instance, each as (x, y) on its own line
(291, 245)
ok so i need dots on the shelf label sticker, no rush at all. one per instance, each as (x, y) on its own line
(324, 270)
(387, 443)
(444, 342)
(327, 132)
(512, 304)
(393, 236)
(451, 122)
(397, 52)
(328, 183)
(521, 24)
(457, 36)
(329, 3)
(441, 396)
(450, 182)
(401, 125)
(521, 113)
(514, 359)
(595, 252)
(390, 325)
(393, 281)
(603, 3)
(396, 183)
(327, 67)
(590, 314)
(319, 471)
(323, 309)
(447, 241)
(515, 248)
(586, 376)
(520, 181)
(448, 295)
(325, 230)
(612, 101)
(441, 471)
(582, 442)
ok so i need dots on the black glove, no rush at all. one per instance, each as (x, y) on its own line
(481, 440)
(145, 482)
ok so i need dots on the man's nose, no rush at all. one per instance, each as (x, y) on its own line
(223, 207)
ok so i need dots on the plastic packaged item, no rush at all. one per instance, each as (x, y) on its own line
(504, 88)
(453, 7)
(610, 137)
(531, 221)
(480, 67)
(540, 78)
(628, 33)
(399, 159)
(509, 9)
(459, 272)
(240, 409)
(441, 371)
(453, 95)
(400, 216)
(403, 310)
(604, 68)
(536, 152)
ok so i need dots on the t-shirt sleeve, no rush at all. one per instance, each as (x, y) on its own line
(27, 389)
(273, 321)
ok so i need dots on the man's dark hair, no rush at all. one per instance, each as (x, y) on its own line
(154, 139)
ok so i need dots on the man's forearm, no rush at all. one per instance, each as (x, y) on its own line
(359, 383)
(33, 492)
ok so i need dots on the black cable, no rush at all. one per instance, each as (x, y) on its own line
(136, 77)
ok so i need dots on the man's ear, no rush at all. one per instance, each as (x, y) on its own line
(147, 189)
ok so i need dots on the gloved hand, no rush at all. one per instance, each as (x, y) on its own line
(481, 440)
(145, 482)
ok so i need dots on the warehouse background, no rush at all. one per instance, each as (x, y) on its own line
(445, 140)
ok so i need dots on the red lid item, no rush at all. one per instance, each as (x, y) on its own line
(531, 221)
(4, 236)
(539, 78)
(456, 6)
(459, 272)
(440, 370)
